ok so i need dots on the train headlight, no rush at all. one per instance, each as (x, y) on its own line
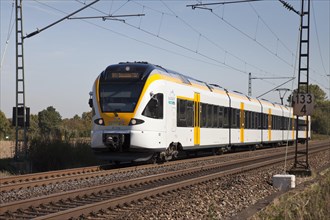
(135, 121)
(99, 121)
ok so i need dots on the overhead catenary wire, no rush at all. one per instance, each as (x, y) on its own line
(157, 35)
(200, 35)
(174, 43)
(3, 56)
(58, 21)
(259, 43)
(134, 39)
(214, 43)
(281, 41)
(267, 49)
(10, 30)
(318, 40)
(242, 70)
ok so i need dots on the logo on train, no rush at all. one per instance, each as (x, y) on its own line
(171, 98)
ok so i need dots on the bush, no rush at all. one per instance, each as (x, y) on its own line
(56, 155)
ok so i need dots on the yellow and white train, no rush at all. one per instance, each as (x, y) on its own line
(143, 111)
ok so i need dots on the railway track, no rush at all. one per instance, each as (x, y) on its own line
(80, 203)
(61, 176)
(35, 179)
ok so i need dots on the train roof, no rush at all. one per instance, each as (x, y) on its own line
(148, 68)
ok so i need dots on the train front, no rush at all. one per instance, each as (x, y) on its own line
(115, 100)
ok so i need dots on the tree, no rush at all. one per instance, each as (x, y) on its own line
(77, 127)
(87, 123)
(5, 128)
(34, 130)
(49, 122)
(319, 95)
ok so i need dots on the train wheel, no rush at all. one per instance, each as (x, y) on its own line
(155, 159)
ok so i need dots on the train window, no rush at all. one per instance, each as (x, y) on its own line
(181, 116)
(154, 108)
(226, 117)
(235, 117)
(279, 123)
(190, 114)
(204, 113)
(233, 120)
(220, 117)
(253, 120)
(209, 116)
(185, 113)
(119, 96)
(265, 121)
(215, 116)
(246, 121)
(284, 123)
(259, 120)
(238, 118)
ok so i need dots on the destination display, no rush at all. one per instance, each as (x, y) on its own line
(126, 75)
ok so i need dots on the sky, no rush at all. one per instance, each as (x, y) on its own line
(221, 46)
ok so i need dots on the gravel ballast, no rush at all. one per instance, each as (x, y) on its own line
(219, 199)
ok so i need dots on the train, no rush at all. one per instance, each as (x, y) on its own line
(143, 111)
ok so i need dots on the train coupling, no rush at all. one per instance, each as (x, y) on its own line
(114, 141)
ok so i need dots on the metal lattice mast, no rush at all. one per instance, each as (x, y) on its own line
(301, 163)
(20, 110)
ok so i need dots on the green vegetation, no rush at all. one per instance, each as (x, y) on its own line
(312, 203)
(6, 130)
(48, 125)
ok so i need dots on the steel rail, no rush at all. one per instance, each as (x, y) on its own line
(12, 207)
(46, 175)
(127, 199)
(60, 176)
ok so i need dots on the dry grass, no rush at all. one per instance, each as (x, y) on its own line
(4, 174)
(311, 203)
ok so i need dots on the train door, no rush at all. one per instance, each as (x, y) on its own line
(270, 125)
(197, 119)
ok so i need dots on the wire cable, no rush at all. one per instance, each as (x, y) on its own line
(10, 30)
(318, 41)
(261, 45)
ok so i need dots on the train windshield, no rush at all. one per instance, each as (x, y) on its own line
(121, 86)
(120, 96)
